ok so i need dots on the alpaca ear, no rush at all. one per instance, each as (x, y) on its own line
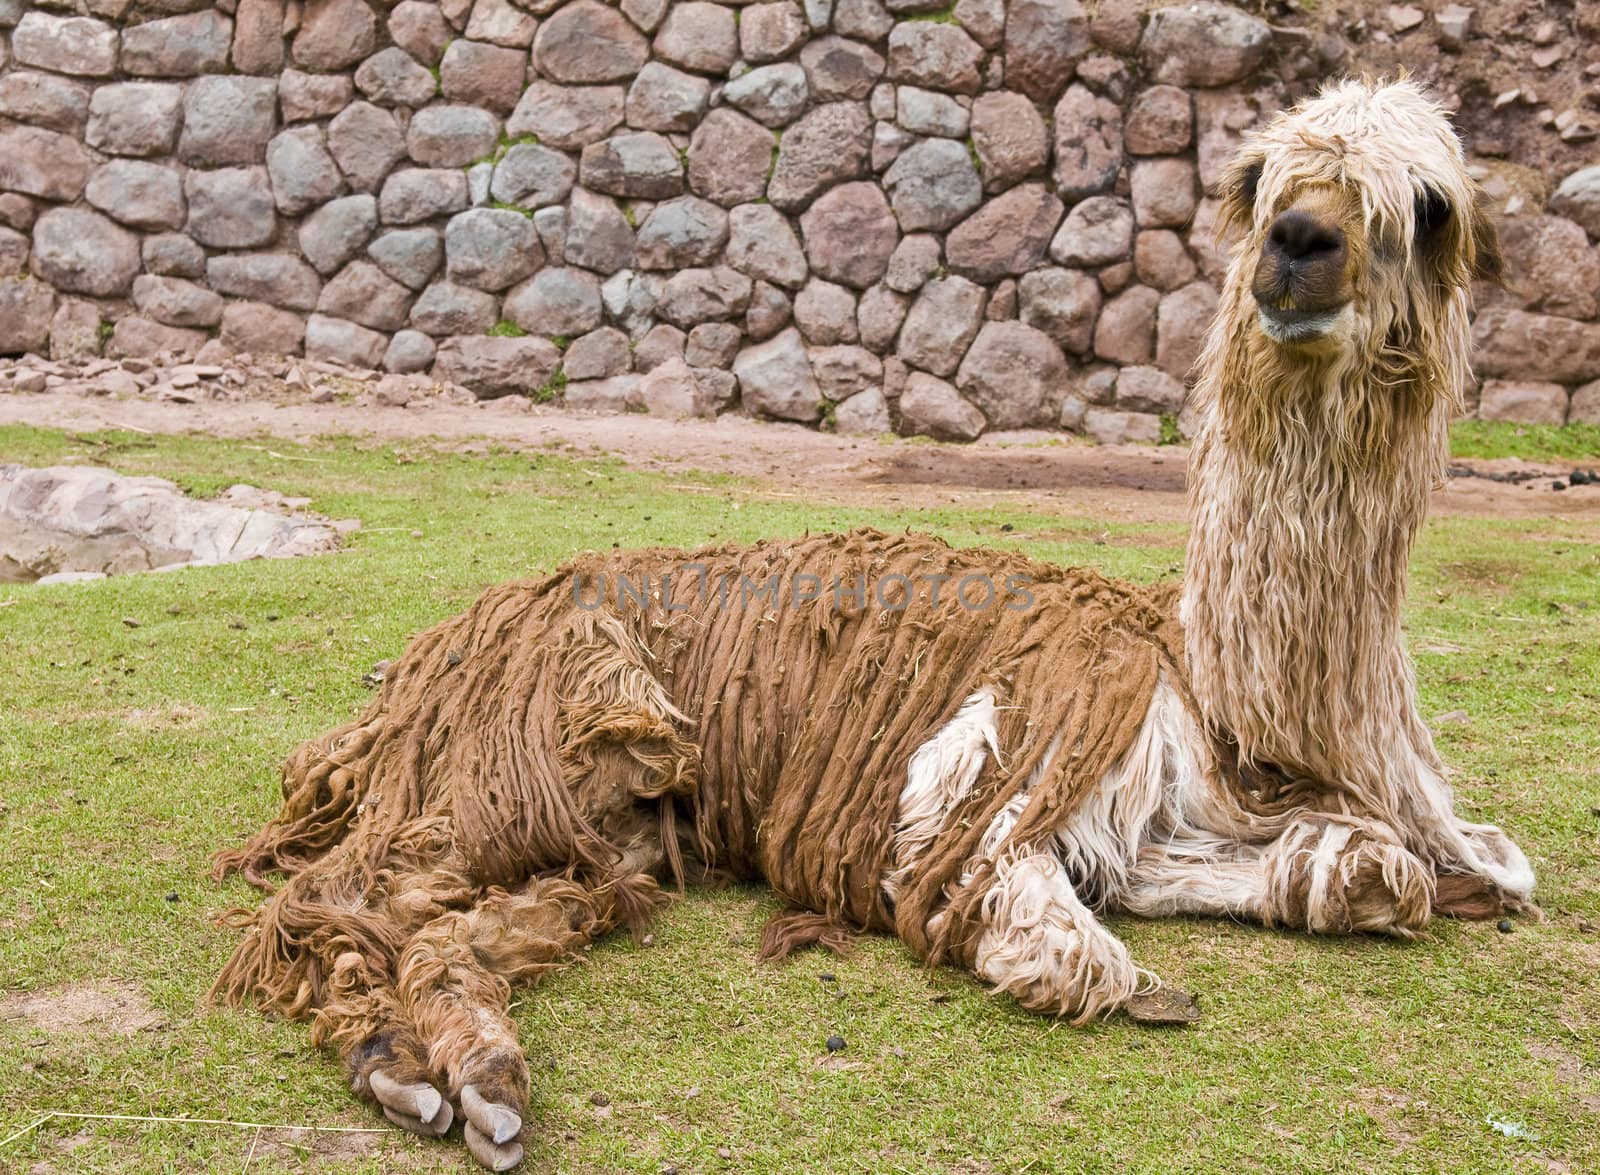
(1488, 263)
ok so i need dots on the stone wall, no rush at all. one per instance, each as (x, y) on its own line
(861, 213)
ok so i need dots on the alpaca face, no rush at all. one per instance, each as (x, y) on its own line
(1360, 223)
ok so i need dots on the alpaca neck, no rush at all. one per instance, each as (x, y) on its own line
(1303, 516)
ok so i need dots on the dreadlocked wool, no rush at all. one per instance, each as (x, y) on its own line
(974, 750)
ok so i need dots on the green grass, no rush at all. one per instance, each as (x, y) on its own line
(127, 755)
(1534, 442)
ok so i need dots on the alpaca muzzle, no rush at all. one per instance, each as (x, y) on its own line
(1300, 284)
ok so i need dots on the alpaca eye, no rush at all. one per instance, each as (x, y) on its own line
(1432, 212)
(1248, 183)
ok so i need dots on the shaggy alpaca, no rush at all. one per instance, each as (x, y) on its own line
(970, 749)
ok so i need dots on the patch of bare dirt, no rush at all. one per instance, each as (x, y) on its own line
(99, 1006)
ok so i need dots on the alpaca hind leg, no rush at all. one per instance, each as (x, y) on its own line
(454, 983)
(1043, 946)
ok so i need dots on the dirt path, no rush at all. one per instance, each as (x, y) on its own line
(1045, 470)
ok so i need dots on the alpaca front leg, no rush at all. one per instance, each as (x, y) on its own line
(1043, 946)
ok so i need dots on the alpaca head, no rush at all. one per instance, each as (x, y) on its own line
(1361, 235)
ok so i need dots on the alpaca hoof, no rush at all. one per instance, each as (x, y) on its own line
(1386, 889)
(500, 1123)
(437, 1128)
(415, 1099)
(494, 1156)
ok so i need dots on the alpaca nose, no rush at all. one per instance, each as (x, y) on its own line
(1304, 238)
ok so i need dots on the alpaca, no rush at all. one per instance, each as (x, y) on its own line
(972, 750)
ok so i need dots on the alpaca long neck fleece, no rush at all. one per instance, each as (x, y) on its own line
(757, 714)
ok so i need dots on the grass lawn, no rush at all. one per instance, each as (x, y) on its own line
(128, 754)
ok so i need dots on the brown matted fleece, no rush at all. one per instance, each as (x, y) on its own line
(543, 735)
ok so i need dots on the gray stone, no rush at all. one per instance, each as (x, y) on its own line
(762, 244)
(665, 99)
(16, 211)
(1510, 343)
(818, 14)
(1008, 235)
(925, 112)
(774, 95)
(942, 322)
(916, 258)
(258, 36)
(26, 307)
(1088, 143)
(712, 344)
(176, 302)
(82, 252)
(1064, 303)
(670, 389)
(680, 233)
(1010, 138)
(451, 136)
(336, 232)
(75, 331)
(829, 146)
(409, 351)
(646, 14)
(934, 185)
(1010, 372)
(366, 142)
(477, 74)
(1126, 331)
(843, 372)
(620, 393)
(826, 313)
(334, 35)
(1148, 389)
(770, 311)
(662, 343)
(1523, 401)
(364, 294)
(775, 379)
(1163, 192)
(304, 96)
(1110, 427)
(419, 194)
(551, 225)
(698, 36)
(491, 248)
(1549, 265)
(492, 367)
(142, 195)
(1098, 231)
(173, 255)
(42, 163)
(599, 354)
(1044, 39)
(879, 315)
(446, 309)
(140, 338)
(729, 158)
(693, 296)
(75, 45)
(392, 77)
(532, 176)
(640, 164)
(889, 142)
(850, 234)
(555, 302)
(1160, 260)
(275, 278)
(256, 328)
(935, 57)
(568, 117)
(302, 170)
(421, 30)
(228, 119)
(45, 100)
(1202, 44)
(768, 32)
(332, 340)
(930, 407)
(587, 42)
(1002, 305)
(629, 302)
(837, 68)
(1583, 409)
(1161, 122)
(134, 118)
(864, 414)
(599, 237)
(866, 20)
(984, 20)
(501, 23)
(1577, 197)
(230, 208)
(178, 46)
(410, 255)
